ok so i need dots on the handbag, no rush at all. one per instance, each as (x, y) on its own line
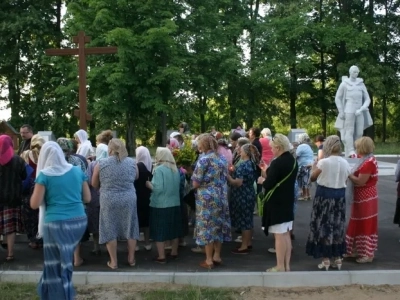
(263, 197)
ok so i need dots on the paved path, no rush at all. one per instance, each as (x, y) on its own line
(387, 257)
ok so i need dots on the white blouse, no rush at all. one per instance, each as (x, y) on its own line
(335, 170)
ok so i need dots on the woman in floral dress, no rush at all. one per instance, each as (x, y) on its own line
(244, 196)
(213, 226)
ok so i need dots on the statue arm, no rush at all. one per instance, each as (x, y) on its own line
(339, 98)
(366, 99)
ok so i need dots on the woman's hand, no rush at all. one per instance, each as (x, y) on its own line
(263, 166)
(260, 180)
(149, 185)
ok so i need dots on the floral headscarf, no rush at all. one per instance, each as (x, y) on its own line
(118, 148)
(252, 152)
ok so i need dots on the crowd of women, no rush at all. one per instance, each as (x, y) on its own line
(59, 193)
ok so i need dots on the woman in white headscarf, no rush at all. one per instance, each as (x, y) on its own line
(145, 165)
(59, 190)
(165, 205)
(85, 146)
(93, 208)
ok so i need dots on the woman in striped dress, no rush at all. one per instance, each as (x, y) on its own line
(59, 191)
(362, 232)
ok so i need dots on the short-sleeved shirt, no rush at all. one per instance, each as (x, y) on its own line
(335, 170)
(370, 166)
(63, 196)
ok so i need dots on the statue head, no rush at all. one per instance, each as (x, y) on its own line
(353, 72)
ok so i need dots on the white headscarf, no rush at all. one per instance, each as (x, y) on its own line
(143, 156)
(51, 163)
(85, 146)
(164, 157)
(101, 151)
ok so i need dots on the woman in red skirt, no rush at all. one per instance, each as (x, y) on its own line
(362, 233)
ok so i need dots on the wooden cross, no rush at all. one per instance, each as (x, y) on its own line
(81, 39)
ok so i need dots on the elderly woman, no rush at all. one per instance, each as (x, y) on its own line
(327, 227)
(266, 154)
(305, 159)
(362, 231)
(165, 208)
(145, 166)
(278, 212)
(115, 176)
(59, 191)
(93, 208)
(31, 216)
(212, 209)
(66, 147)
(85, 146)
(12, 173)
(244, 196)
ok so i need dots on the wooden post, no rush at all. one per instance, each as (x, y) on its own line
(80, 40)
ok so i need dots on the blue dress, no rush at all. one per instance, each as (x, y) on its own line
(212, 209)
(244, 196)
(118, 210)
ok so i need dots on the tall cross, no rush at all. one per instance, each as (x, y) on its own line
(81, 39)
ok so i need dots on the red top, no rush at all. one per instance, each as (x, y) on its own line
(266, 154)
(370, 166)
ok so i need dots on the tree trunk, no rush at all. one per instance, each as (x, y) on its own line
(293, 96)
(130, 135)
(232, 102)
(203, 110)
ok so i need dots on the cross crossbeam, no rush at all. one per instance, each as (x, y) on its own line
(81, 39)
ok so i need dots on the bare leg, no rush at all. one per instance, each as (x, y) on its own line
(112, 252)
(209, 253)
(280, 247)
(131, 250)
(175, 245)
(246, 239)
(10, 244)
(161, 250)
(78, 260)
(217, 251)
(288, 253)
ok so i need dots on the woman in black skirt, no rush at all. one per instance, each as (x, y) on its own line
(145, 165)
(326, 239)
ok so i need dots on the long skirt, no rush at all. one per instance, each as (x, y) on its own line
(10, 220)
(30, 219)
(165, 223)
(303, 178)
(327, 227)
(362, 233)
(60, 239)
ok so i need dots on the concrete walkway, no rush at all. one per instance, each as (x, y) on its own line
(384, 267)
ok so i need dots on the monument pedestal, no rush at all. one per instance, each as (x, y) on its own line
(384, 168)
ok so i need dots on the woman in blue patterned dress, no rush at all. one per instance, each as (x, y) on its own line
(115, 176)
(244, 196)
(213, 226)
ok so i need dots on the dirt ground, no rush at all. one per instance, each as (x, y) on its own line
(137, 291)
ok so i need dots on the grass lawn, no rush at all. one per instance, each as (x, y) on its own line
(387, 148)
(27, 291)
(17, 291)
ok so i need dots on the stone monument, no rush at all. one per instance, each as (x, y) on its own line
(352, 101)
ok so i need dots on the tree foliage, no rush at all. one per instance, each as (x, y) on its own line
(220, 63)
